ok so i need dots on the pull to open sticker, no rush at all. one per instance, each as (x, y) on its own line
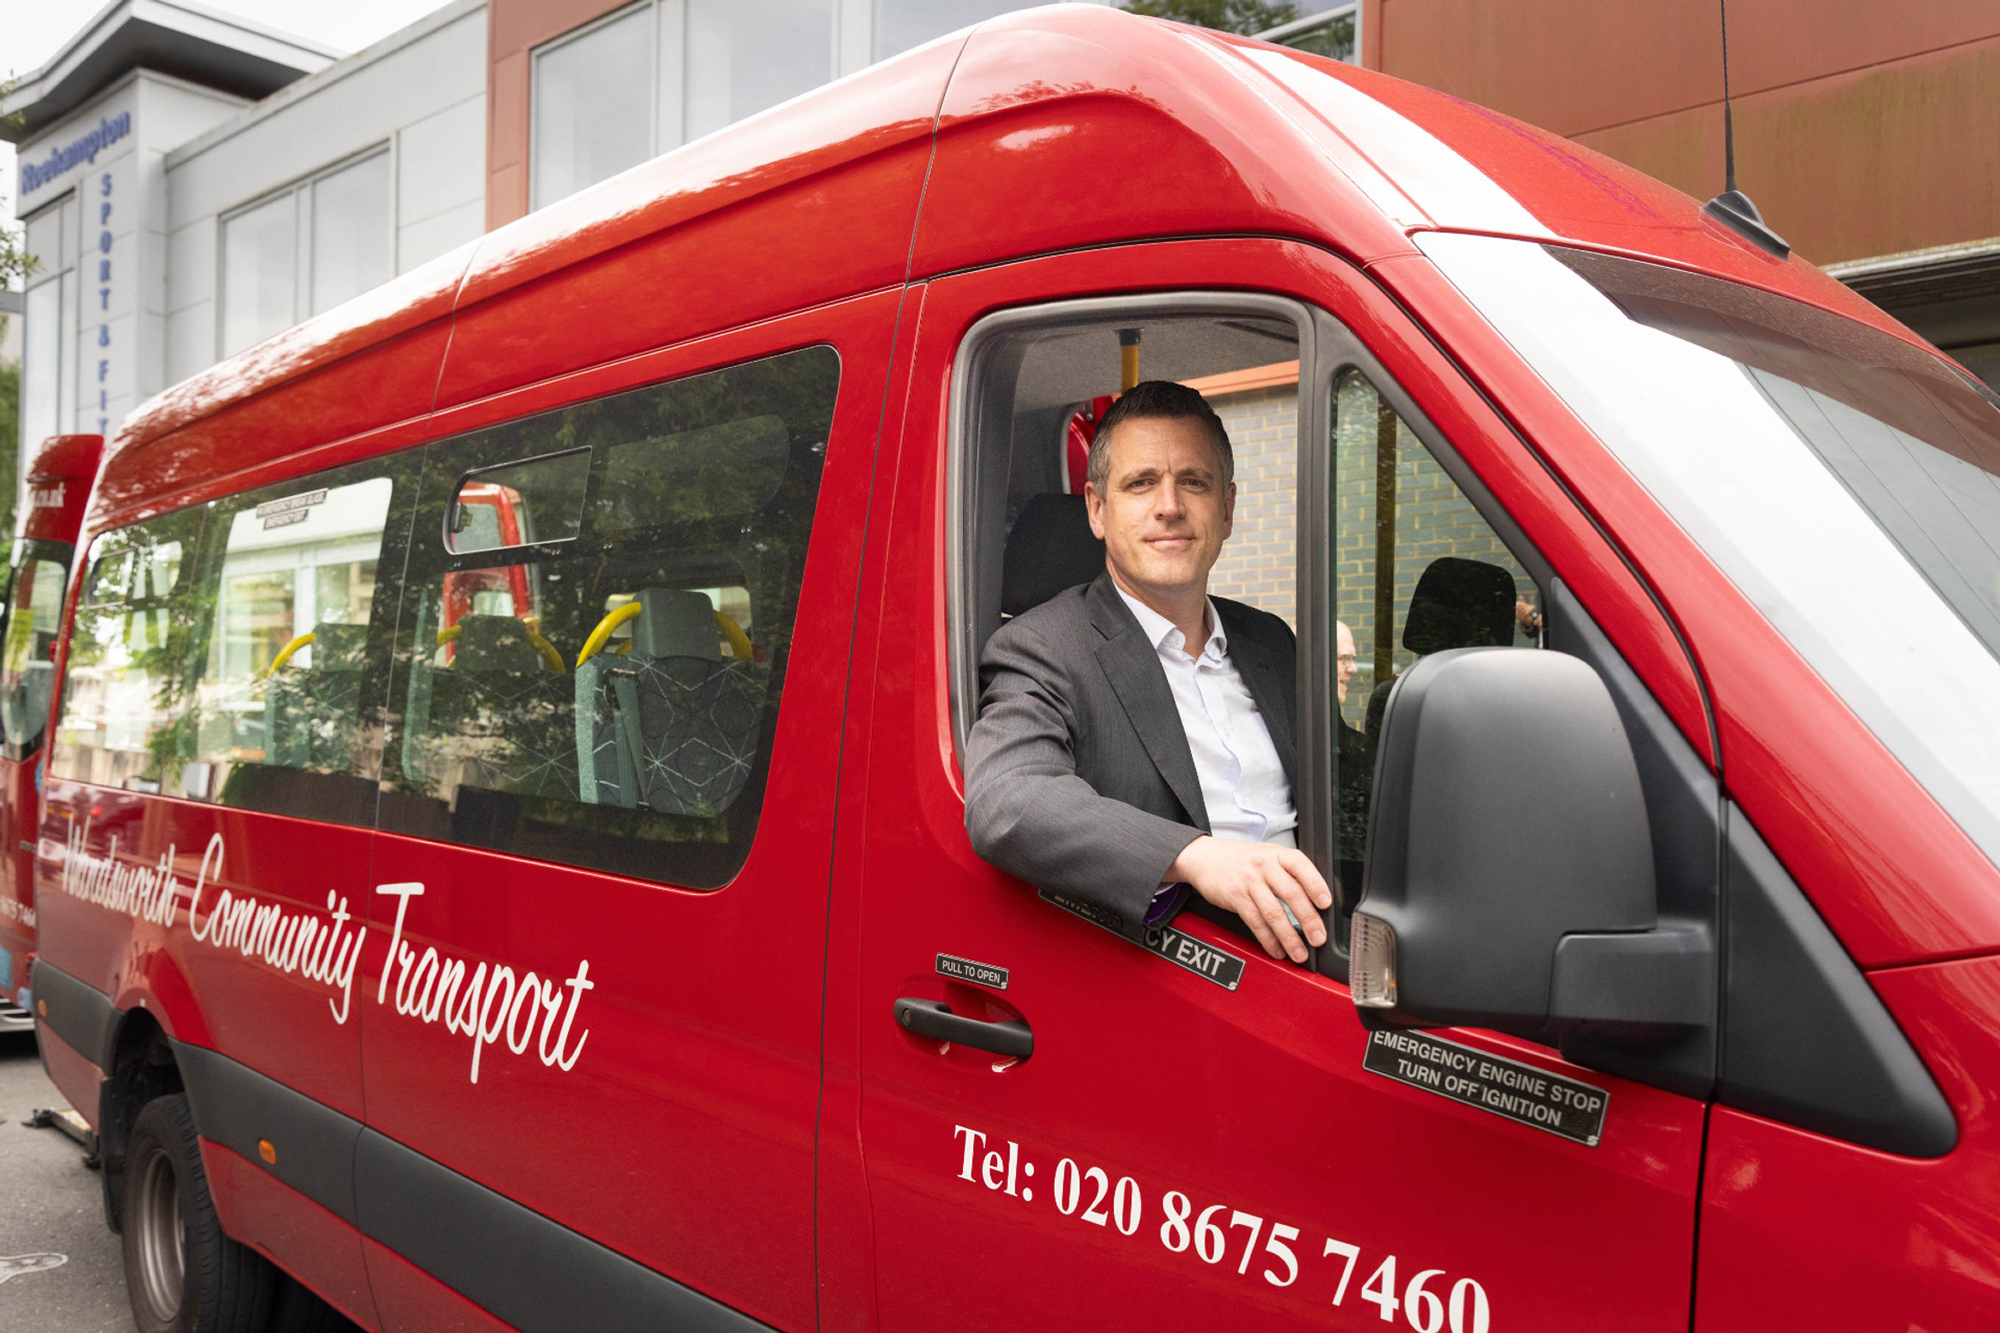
(964, 969)
(1562, 1106)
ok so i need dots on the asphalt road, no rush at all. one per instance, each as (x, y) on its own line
(51, 1207)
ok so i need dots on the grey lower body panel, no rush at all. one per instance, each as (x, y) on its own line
(511, 1261)
(516, 1264)
(236, 1106)
(79, 1013)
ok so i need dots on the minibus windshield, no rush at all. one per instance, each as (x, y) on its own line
(1848, 482)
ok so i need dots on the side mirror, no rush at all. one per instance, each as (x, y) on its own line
(1510, 864)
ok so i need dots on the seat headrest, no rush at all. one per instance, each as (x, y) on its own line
(338, 647)
(1051, 548)
(674, 622)
(1460, 603)
(494, 643)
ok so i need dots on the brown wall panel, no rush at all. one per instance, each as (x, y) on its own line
(1565, 65)
(1880, 161)
(1778, 42)
(1572, 66)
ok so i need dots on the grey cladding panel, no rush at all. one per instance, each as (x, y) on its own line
(533, 1273)
(236, 1106)
(80, 1014)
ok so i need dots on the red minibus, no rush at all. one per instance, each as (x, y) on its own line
(575, 927)
(58, 484)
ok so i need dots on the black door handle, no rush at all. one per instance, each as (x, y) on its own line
(934, 1018)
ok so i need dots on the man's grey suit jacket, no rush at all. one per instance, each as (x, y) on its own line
(1079, 778)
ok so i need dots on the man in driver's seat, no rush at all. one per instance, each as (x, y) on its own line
(1135, 735)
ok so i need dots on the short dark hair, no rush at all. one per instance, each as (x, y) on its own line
(1158, 398)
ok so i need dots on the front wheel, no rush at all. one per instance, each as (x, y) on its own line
(182, 1273)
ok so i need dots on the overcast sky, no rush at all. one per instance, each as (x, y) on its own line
(33, 30)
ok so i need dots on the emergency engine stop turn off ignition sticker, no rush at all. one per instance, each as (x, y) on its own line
(1506, 1088)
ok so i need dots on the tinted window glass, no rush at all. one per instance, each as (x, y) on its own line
(27, 671)
(1845, 481)
(538, 500)
(610, 700)
(223, 653)
(289, 577)
(1915, 444)
(1416, 571)
(127, 710)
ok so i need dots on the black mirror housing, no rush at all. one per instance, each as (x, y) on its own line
(1510, 862)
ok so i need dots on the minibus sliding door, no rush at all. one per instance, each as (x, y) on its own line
(591, 1007)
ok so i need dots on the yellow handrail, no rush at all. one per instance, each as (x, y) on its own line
(550, 657)
(285, 653)
(617, 616)
(739, 642)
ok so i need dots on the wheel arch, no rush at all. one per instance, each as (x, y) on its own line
(140, 1064)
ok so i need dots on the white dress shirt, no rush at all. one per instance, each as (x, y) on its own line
(1242, 779)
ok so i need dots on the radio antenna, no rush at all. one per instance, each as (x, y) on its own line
(1728, 120)
(1732, 208)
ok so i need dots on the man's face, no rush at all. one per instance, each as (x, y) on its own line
(1344, 660)
(1164, 513)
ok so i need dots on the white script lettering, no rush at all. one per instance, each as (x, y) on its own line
(427, 988)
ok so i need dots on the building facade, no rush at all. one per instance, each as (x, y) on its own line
(194, 183)
(191, 183)
(343, 179)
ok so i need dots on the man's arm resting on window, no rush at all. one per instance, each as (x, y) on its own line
(1028, 811)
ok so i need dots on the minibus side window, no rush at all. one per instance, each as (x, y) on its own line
(597, 618)
(27, 665)
(221, 653)
(288, 585)
(127, 714)
(1043, 379)
(1416, 570)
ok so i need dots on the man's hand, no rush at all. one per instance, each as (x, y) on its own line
(1256, 880)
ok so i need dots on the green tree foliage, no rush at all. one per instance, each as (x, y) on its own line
(1241, 16)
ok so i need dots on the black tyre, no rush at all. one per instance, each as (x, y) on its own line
(182, 1273)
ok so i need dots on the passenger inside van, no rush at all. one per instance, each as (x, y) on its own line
(1135, 739)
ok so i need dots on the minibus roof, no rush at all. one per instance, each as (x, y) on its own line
(1044, 130)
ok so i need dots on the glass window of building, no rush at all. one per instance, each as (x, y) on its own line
(350, 231)
(41, 360)
(902, 24)
(259, 272)
(68, 417)
(49, 324)
(304, 251)
(743, 59)
(593, 105)
(1334, 33)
